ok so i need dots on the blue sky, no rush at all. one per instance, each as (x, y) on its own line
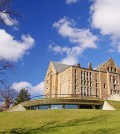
(66, 31)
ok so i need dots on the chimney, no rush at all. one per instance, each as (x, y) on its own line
(90, 66)
(78, 65)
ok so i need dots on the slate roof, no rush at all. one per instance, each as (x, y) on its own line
(60, 67)
(101, 65)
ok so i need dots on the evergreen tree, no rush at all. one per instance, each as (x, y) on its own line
(23, 95)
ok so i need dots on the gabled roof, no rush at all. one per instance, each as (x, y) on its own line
(60, 67)
(102, 65)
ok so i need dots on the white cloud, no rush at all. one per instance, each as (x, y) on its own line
(105, 16)
(71, 1)
(81, 38)
(69, 60)
(8, 20)
(11, 49)
(71, 53)
(33, 90)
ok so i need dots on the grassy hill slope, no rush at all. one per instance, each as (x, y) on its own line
(61, 122)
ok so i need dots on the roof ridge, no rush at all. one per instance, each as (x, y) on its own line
(61, 63)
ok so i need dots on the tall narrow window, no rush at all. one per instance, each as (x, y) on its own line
(96, 92)
(84, 91)
(90, 84)
(90, 91)
(90, 73)
(75, 81)
(81, 72)
(114, 81)
(87, 91)
(75, 89)
(81, 82)
(111, 69)
(81, 90)
(104, 85)
(75, 73)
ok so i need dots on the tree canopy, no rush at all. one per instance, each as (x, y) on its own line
(23, 95)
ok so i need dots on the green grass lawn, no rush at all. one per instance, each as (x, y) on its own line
(61, 122)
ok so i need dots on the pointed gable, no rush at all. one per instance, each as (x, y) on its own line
(108, 65)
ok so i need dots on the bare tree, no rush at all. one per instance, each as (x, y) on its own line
(5, 67)
(8, 94)
(6, 8)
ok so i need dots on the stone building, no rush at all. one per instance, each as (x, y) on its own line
(75, 81)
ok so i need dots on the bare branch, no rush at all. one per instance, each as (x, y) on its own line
(6, 8)
(8, 95)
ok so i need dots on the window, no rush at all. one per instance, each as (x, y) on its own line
(90, 91)
(75, 89)
(84, 83)
(104, 85)
(75, 81)
(90, 73)
(44, 107)
(90, 84)
(81, 90)
(84, 91)
(75, 73)
(114, 86)
(111, 69)
(81, 72)
(96, 92)
(114, 81)
(107, 68)
(71, 106)
(56, 106)
(84, 72)
(87, 92)
(96, 85)
(34, 107)
(90, 78)
(81, 82)
(87, 73)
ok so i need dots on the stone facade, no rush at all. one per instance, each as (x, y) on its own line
(74, 81)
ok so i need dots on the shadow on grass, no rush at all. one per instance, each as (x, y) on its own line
(54, 127)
